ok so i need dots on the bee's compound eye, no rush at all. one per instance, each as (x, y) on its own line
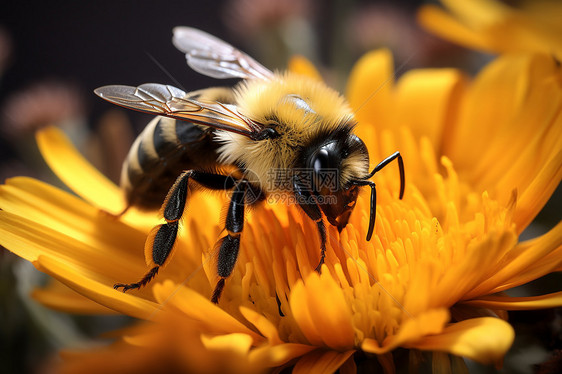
(327, 157)
(324, 166)
(321, 160)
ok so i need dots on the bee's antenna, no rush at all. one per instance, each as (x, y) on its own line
(386, 161)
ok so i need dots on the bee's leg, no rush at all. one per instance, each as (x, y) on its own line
(230, 244)
(373, 209)
(162, 238)
(307, 202)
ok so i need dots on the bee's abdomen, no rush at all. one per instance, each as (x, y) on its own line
(160, 153)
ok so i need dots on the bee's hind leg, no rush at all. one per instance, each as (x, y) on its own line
(162, 238)
(160, 242)
(147, 278)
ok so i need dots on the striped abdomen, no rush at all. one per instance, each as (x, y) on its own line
(164, 149)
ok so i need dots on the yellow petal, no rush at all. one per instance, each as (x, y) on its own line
(265, 326)
(200, 308)
(63, 215)
(485, 340)
(510, 93)
(232, 343)
(439, 109)
(348, 367)
(495, 27)
(526, 262)
(320, 362)
(278, 355)
(77, 173)
(411, 330)
(369, 89)
(321, 312)
(478, 13)
(492, 98)
(539, 191)
(301, 65)
(552, 300)
(439, 22)
(59, 297)
(80, 282)
(42, 220)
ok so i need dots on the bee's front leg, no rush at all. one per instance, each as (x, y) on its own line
(307, 202)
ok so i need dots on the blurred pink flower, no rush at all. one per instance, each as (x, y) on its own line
(247, 17)
(45, 103)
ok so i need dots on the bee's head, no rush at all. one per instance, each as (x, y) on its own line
(333, 165)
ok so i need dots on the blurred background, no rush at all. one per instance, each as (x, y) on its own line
(53, 54)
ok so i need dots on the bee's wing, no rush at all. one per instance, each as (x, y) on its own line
(170, 101)
(211, 56)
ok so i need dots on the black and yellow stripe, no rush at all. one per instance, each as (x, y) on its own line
(164, 149)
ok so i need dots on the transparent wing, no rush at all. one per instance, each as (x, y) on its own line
(211, 56)
(171, 102)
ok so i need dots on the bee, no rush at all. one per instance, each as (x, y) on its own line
(273, 133)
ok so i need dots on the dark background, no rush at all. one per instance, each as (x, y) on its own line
(95, 43)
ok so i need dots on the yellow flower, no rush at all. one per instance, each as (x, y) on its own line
(493, 26)
(482, 157)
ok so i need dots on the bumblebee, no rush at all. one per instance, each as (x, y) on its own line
(273, 133)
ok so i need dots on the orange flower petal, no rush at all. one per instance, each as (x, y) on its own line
(539, 191)
(321, 312)
(265, 327)
(527, 261)
(552, 300)
(348, 367)
(301, 65)
(478, 13)
(320, 361)
(510, 93)
(64, 215)
(411, 330)
(485, 340)
(236, 343)
(199, 308)
(495, 27)
(369, 89)
(493, 97)
(278, 355)
(59, 297)
(79, 281)
(77, 173)
(440, 23)
(439, 109)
